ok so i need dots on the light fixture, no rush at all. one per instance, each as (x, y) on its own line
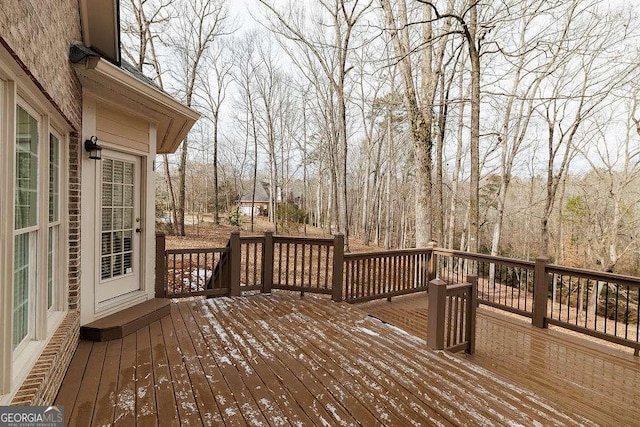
(92, 147)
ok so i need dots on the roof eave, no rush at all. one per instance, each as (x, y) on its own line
(106, 80)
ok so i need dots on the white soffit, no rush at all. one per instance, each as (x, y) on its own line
(106, 81)
(100, 27)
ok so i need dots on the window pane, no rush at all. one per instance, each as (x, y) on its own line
(26, 196)
(128, 173)
(128, 219)
(21, 273)
(128, 195)
(107, 170)
(117, 195)
(105, 271)
(106, 243)
(118, 171)
(51, 264)
(107, 219)
(54, 178)
(117, 219)
(107, 194)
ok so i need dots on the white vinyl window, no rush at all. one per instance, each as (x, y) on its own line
(53, 258)
(33, 225)
(37, 261)
(26, 226)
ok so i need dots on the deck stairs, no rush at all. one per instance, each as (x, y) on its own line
(125, 322)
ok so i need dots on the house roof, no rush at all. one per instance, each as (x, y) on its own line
(262, 194)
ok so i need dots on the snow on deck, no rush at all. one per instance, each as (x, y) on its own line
(285, 360)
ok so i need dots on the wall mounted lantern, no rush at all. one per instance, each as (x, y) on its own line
(92, 147)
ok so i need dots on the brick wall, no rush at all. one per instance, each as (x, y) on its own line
(44, 380)
(38, 34)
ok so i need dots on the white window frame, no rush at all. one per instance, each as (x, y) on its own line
(15, 364)
(60, 258)
(36, 241)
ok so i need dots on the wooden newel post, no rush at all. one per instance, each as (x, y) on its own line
(235, 256)
(540, 293)
(431, 260)
(267, 263)
(436, 314)
(471, 314)
(161, 266)
(338, 266)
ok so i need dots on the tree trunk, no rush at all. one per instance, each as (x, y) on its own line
(474, 190)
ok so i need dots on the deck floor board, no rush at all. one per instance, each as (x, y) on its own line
(85, 403)
(68, 393)
(595, 381)
(164, 392)
(284, 360)
(307, 386)
(126, 394)
(106, 398)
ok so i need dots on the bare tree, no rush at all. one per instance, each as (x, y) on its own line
(344, 15)
(142, 25)
(198, 24)
(215, 81)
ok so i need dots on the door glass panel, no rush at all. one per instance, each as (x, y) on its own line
(117, 218)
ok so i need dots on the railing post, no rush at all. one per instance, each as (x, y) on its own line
(267, 262)
(431, 260)
(161, 266)
(436, 314)
(472, 304)
(235, 256)
(540, 293)
(338, 266)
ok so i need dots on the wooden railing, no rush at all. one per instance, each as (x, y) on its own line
(251, 263)
(305, 265)
(599, 304)
(452, 315)
(190, 272)
(502, 282)
(376, 275)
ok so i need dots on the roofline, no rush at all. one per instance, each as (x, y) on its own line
(161, 104)
(113, 54)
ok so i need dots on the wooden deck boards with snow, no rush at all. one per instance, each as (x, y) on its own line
(582, 376)
(283, 360)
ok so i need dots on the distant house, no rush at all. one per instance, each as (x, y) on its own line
(77, 235)
(259, 203)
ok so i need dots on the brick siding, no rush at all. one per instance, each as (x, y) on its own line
(44, 380)
(38, 34)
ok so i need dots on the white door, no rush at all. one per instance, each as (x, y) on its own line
(119, 226)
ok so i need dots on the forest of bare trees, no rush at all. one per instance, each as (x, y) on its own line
(505, 127)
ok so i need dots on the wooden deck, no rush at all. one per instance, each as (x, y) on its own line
(581, 376)
(283, 360)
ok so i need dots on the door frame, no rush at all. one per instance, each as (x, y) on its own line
(136, 243)
(90, 310)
